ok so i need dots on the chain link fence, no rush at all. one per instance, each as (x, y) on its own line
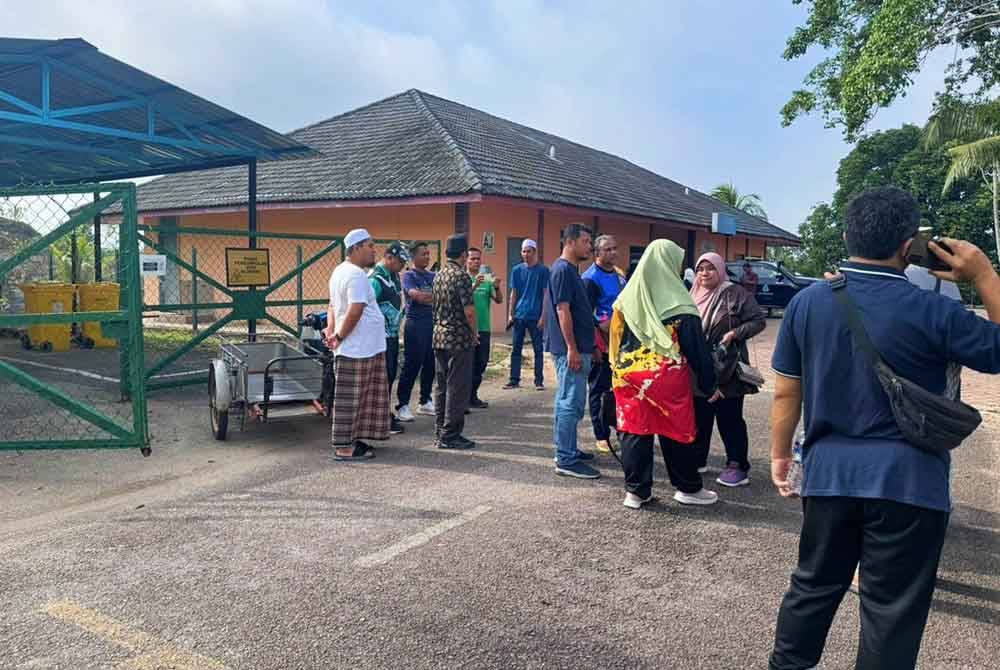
(191, 308)
(64, 380)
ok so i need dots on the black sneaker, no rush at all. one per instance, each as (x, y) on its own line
(466, 441)
(395, 427)
(476, 403)
(512, 385)
(456, 443)
(539, 387)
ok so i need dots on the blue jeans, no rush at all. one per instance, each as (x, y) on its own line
(571, 402)
(531, 325)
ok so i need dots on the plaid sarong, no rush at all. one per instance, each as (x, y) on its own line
(360, 400)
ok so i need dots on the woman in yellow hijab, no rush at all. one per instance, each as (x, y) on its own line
(656, 345)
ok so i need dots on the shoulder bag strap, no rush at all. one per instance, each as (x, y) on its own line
(850, 312)
(713, 309)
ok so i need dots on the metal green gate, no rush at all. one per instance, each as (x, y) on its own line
(61, 393)
(190, 308)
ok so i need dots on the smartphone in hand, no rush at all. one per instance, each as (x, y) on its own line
(920, 254)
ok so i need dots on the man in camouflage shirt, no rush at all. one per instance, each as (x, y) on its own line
(454, 340)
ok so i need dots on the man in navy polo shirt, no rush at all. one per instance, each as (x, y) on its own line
(569, 337)
(868, 495)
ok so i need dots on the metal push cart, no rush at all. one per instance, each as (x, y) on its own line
(266, 381)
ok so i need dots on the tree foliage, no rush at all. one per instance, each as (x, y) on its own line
(822, 241)
(877, 46)
(745, 202)
(898, 157)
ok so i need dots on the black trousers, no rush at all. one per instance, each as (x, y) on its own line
(637, 461)
(418, 359)
(482, 359)
(598, 383)
(391, 359)
(728, 413)
(898, 547)
(451, 395)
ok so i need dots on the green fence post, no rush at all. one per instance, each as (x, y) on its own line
(194, 290)
(299, 296)
(137, 357)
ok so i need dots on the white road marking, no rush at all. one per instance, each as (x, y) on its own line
(419, 539)
(94, 375)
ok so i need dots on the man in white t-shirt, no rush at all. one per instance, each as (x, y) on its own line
(355, 332)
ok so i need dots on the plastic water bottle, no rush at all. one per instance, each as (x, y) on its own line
(795, 471)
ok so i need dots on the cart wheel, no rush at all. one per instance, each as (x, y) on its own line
(219, 418)
(26, 342)
(46, 347)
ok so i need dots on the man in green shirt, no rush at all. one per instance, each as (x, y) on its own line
(389, 296)
(486, 290)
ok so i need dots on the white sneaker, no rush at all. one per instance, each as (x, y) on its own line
(632, 501)
(702, 497)
(427, 409)
(404, 414)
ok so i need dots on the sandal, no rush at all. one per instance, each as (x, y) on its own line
(362, 452)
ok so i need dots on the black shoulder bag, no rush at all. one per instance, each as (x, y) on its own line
(928, 421)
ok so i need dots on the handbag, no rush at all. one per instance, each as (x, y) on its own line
(728, 364)
(928, 421)
(749, 375)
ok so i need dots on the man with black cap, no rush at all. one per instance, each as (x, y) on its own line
(454, 339)
(389, 296)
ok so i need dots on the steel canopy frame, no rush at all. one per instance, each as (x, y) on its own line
(71, 114)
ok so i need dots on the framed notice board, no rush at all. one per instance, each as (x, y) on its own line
(247, 267)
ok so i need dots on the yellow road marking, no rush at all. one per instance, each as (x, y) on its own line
(156, 654)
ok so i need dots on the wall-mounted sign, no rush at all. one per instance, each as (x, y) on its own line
(153, 265)
(489, 243)
(723, 224)
(247, 267)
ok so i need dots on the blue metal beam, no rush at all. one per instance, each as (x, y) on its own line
(94, 109)
(125, 134)
(65, 146)
(17, 102)
(46, 88)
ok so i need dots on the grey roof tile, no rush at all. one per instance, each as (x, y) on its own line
(416, 144)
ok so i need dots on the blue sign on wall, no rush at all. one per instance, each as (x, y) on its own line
(723, 224)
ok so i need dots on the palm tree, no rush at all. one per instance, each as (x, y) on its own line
(977, 127)
(745, 202)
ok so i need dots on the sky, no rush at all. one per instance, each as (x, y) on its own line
(690, 90)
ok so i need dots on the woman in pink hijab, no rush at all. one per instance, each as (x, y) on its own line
(729, 317)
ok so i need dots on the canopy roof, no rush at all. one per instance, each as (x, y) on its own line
(69, 113)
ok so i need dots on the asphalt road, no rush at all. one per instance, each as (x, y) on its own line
(262, 553)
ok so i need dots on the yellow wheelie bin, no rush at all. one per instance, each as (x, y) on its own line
(98, 297)
(48, 298)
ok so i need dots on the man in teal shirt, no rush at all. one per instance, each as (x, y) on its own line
(486, 290)
(389, 296)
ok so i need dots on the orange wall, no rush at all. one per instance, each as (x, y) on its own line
(429, 222)
(504, 221)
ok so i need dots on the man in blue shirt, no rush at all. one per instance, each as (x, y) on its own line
(418, 354)
(611, 280)
(528, 286)
(868, 495)
(569, 337)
